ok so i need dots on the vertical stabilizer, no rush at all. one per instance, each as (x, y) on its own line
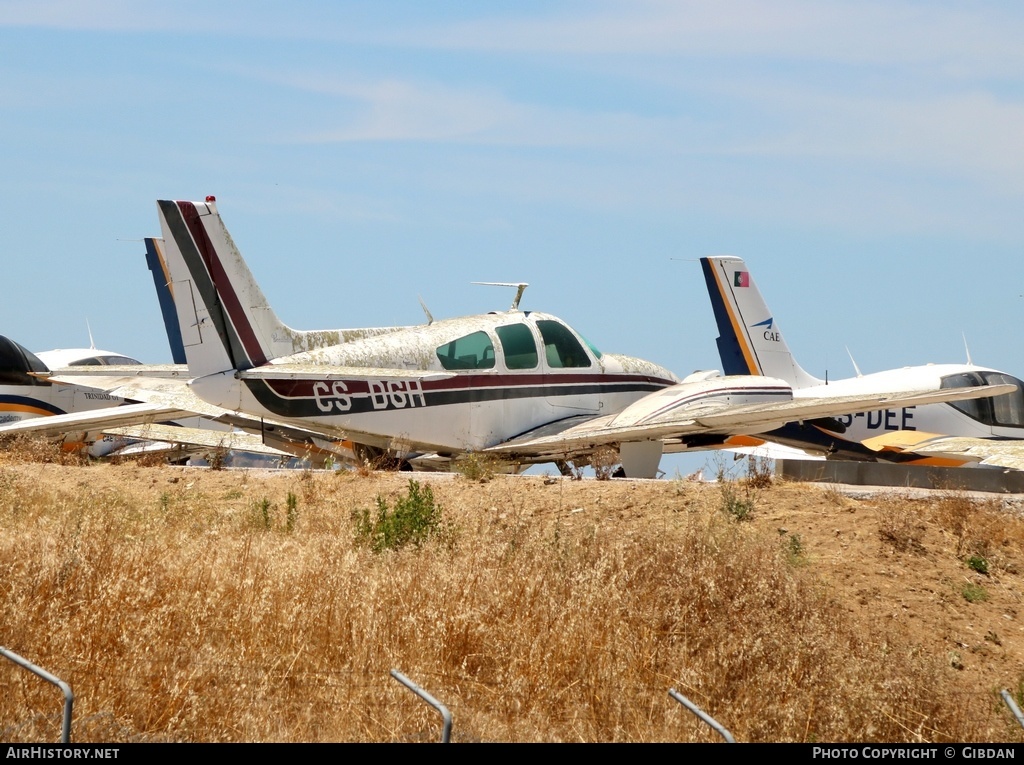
(162, 281)
(749, 341)
(225, 320)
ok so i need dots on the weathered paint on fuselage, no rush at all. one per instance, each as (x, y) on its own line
(438, 409)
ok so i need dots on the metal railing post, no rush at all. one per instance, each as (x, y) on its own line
(1008, 700)
(69, 697)
(446, 716)
(702, 715)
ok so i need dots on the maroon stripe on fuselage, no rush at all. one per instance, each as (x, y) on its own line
(225, 289)
(304, 387)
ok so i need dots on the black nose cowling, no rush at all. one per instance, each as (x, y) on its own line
(16, 362)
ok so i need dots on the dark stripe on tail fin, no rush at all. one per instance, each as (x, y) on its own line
(161, 280)
(734, 362)
(245, 346)
(211, 281)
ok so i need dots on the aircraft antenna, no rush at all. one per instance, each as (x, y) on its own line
(521, 288)
(430, 319)
(853, 361)
(92, 343)
(968, 350)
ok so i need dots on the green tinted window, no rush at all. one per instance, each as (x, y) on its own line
(592, 347)
(470, 352)
(561, 347)
(519, 346)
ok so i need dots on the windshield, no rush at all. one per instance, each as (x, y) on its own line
(1006, 410)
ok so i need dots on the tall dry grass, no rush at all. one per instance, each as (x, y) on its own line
(180, 609)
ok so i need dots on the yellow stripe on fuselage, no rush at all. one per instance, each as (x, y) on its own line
(25, 409)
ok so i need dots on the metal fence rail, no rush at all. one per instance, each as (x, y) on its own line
(69, 697)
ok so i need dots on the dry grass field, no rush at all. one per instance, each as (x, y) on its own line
(192, 605)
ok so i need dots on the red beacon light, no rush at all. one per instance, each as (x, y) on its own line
(211, 198)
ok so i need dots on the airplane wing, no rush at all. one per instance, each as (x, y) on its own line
(169, 388)
(170, 391)
(96, 419)
(1005, 453)
(198, 437)
(715, 408)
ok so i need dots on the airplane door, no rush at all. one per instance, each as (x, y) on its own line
(568, 370)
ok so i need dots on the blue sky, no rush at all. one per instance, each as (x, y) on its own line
(864, 158)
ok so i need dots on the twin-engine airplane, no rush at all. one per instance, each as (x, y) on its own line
(987, 428)
(519, 384)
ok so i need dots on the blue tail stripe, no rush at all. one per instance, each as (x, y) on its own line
(163, 293)
(729, 349)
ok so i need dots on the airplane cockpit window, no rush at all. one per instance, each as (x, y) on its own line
(519, 346)
(560, 346)
(1006, 410)
(973, 408)
(475, 351)
(592, 347)
(16, 362)
(98, 361)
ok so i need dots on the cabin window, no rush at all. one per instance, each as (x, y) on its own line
(561, 347)
(1006, 410)
(98, 361)
(519, 346)
(975, 409)
(592, 347)
(475, 351)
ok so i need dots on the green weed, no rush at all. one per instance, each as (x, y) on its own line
(413, 519)
(291, 512)
(796, 555)
(978, 563)
(261, 513)
(476, 467)
(974, 593)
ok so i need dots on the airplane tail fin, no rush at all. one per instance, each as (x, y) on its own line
(162, 281)
(224, 318)
(749, 341)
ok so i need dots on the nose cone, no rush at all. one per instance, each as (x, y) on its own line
(16, 362)
(614, 362)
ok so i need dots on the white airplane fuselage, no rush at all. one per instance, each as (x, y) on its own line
(447, 387)
(994, 417)
(446, 410)
(750, 342)
(24, 397)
